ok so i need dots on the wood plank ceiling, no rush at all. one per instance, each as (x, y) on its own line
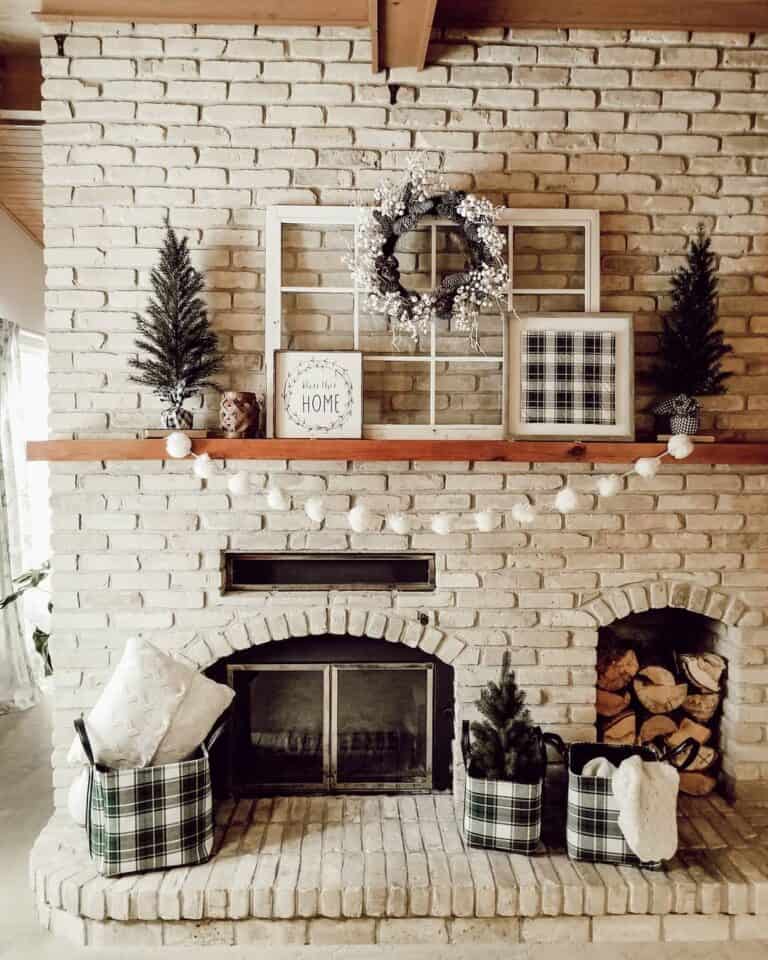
(21, 175)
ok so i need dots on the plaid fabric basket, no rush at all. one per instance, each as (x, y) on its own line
(149, 818)
(592, 825)
(500, 814)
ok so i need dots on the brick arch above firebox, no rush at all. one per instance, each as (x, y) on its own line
(203, 650)
(620, 602)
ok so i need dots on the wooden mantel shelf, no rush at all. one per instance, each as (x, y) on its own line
(543, 451)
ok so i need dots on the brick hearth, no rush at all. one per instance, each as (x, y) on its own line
(388, 870)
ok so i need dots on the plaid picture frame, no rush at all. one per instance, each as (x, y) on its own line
(592, 823)
(568, 377)
(502, 815)
(149, 818)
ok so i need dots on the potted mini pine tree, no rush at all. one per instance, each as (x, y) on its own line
(180, 349)
(691, 347)
(505, 766)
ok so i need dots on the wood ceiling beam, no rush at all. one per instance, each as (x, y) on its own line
(347, 13)
(726, 15)
(400, 31)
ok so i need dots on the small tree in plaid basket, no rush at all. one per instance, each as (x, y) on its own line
(691, 347)
(506, 745)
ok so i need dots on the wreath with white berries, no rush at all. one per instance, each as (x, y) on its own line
(460, 297)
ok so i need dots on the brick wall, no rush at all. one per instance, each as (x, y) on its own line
(659, 131)
(208, 125)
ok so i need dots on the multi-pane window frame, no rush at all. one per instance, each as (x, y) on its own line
(349, 216)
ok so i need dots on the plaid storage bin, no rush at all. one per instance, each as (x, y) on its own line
(149, 818)
(592, 824)
(500, 814)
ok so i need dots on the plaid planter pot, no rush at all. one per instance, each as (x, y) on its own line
(502, 815)
(592, 825)
(684, 424)
(149, 818)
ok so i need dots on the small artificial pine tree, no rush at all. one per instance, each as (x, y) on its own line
(506, 745)
(180, 347)
(692, 348)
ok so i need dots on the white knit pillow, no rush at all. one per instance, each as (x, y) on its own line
(153, 709)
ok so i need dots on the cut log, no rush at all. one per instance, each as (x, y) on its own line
(701, 706)
(703, 670)
(658, 675)
(703, 760)
(616, 670)
(697, 784)
(658, 698)
(689, 728)
(621, 729)
(610, 704)
(659, 725)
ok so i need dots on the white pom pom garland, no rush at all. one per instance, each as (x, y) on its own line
(566, 500)
(359, 518)
(204, 467)
(178, 445)
(277, 500)
(442, 524)
(485, 520)
(399, 523)
(523, 513)
(239, 484)
(315, 509)
(609, 485)
(680, 446)
(647, 467)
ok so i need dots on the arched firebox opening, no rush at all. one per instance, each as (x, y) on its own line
(661, 677)
(337, 714)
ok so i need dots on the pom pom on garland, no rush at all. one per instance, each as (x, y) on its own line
(239, 484)
(442, 524)
(485, 520)
(178, 445)
(610, 485)
(204, 467)
(315, 509)
(566, 500)
(399, 523)
(680, 446)
(277, 500)
(647, 467)
(523, 513)
(359, 518)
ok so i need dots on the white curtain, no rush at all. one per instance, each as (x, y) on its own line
(18, 685)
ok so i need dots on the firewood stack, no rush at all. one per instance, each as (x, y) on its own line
(638, 705)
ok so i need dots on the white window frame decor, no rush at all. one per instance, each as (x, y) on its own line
(278, 216)
(620, 324)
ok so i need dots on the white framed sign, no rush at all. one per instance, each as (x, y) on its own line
(571, 376)
(318, 394)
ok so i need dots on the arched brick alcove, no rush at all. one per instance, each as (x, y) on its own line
(742, 733)
(620, 602)
(205, 649)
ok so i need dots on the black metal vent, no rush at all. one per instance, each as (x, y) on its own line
(329, 571)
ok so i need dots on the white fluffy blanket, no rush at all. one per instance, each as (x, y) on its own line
(646, 793)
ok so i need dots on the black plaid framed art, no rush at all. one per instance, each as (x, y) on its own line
(571, 376)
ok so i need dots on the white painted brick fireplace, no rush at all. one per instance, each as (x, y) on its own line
(210, 124)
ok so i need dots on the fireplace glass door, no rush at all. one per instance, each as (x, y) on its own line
(345, 727)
